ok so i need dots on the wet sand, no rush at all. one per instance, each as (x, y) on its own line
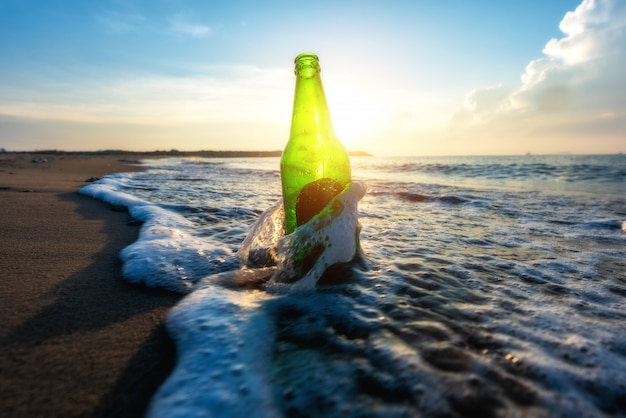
(76, 340)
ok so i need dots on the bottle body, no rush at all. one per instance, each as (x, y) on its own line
(314, 166)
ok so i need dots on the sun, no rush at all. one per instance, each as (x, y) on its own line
(354, 116)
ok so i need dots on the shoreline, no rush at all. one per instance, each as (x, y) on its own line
(77, 340)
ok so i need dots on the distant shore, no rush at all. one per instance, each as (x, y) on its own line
(170, 153)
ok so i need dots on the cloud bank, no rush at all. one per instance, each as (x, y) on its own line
(205, 109)
(571, 96)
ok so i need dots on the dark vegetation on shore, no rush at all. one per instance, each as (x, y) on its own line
(171, 153)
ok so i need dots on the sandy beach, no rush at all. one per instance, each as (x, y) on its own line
(76, 340)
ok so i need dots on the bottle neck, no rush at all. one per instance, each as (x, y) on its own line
(310, 110)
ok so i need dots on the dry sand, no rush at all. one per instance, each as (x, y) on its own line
(76, 340)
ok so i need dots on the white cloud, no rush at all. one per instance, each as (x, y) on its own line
(577, 86)
(180, 23)
(481, 103)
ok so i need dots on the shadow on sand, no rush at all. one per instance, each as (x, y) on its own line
(99, 348)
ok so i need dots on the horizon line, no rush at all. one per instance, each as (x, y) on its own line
(271, 153)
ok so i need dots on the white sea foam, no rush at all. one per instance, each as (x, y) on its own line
(166, 254)
(331, 237)
(224, 352)
(108, 189)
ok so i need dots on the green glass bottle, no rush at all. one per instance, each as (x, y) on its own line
(314, 166)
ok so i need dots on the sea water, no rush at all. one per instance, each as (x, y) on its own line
(486, 286)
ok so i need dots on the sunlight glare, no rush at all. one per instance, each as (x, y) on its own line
(354, 115)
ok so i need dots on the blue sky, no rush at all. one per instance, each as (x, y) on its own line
(401, 77)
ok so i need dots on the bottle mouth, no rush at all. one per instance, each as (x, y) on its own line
(306, 56)
(307, 64)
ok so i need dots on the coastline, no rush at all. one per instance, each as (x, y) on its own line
(77, 340)
(125, 156)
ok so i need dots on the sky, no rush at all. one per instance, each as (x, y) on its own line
(402, 77)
